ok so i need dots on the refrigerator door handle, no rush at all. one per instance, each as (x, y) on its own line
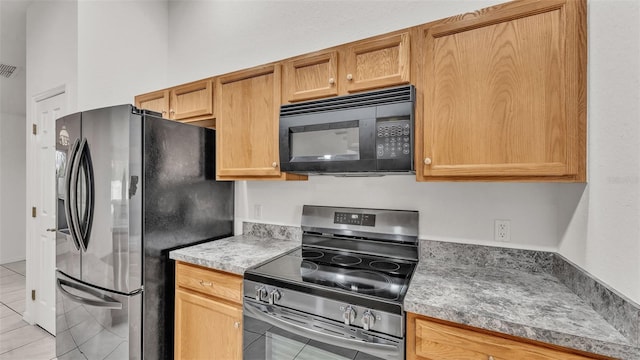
(87, 164)
(75, 222)
(107, 302)
(67, 193)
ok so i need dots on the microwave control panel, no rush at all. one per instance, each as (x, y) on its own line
(393, 139)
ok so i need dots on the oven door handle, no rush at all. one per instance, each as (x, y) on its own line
(381, 350)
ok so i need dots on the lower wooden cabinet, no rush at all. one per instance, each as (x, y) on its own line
(208, 321)
(433, 340)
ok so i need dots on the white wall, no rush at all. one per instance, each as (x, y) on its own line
(604, 232)
(214, 37)
(52, 49)
(597, 227)
(122, 50)
(12, 188)
(12, 120)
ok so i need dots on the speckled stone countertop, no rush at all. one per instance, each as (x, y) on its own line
(234, 254)
(528, 304)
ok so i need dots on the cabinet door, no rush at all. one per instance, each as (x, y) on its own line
(190, 101)
(378, 63)
(155, 101)
(429, 340)
(311, 77)
(247, 122)
(207, 328)
(504, 93)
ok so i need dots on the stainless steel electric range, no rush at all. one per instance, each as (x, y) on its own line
(338, 296)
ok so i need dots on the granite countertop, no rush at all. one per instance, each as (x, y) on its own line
(234, 254)
(533, 305)
(508, 291)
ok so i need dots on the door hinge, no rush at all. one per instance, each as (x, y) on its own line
(33, 211)
(33, 295)
(34, 129)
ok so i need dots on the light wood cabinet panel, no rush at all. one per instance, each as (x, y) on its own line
(207, 328)
(377, 63)
(157, 101)
(248, 109)
(209, 282)
(310, 77)
(504, 94)
(189, 103)
(194, 100)
(430, 340)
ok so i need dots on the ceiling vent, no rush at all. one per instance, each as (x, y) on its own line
(7, 70)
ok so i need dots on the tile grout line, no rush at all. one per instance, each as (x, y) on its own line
(47, 334)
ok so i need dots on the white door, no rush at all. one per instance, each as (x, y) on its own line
(43, 237)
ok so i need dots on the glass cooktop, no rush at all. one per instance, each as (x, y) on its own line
(342, 271)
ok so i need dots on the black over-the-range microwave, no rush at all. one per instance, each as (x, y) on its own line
(362, 134)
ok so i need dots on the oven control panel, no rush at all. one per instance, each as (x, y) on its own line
(393, 139)
(354, 219)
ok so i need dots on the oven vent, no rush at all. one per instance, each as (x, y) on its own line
(7, 70)
(371, 98)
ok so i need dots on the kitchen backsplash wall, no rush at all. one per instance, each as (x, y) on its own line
(457, 212)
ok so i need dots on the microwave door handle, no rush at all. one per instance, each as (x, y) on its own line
(67, 192)
(381, 350)
(75, 223)
(107, 301)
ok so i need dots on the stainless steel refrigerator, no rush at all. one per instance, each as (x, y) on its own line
(131, 186)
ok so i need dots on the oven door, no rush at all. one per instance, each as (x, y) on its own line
(338, 141)
(276, 333)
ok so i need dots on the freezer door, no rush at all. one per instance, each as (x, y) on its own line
(68, 132)
(108, 213)
(96, 324)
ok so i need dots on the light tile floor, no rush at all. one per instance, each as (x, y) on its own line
(18, 339)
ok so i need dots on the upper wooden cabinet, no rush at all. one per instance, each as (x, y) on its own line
(434, 340)
(368, 64)
(504, 94)
(247, 129)
(190, 103)
(310, 77)
(378, 62)
(157, 101)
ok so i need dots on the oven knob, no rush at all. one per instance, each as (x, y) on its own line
(260, 293)
(368, 319)
(274, 296)
(349, 315)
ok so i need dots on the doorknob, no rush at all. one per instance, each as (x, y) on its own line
(52, 230)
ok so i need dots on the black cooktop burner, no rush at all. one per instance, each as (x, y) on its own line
(384, 265)
(346, 260)
(363, 281)
(312, 254)
(307, 267)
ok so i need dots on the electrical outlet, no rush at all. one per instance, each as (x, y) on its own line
(502, 230)
(257, 211)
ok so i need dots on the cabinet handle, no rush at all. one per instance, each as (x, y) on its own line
(164, 111)
(172, 111)
(427, 161)
(51, 230)
(206, 283)
(490, 358)
(332, 81)
(349, 77)
(237, 326)
(274, 165)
